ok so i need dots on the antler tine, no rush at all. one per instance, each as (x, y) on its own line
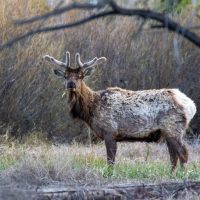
(57, 62)
(91, 63)
(78, 60)
(94, 62)
(67, 62)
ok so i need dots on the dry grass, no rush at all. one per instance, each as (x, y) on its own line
(44, 163)
(31, 98)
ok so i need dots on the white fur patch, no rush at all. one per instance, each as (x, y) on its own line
(187, 104)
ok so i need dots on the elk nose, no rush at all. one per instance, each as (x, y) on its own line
(71, 85)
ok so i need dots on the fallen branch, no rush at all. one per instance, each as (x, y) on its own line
(127, 191)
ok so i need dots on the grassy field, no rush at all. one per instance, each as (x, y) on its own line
(40, 163)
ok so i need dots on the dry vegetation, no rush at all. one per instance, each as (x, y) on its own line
(39, 163)
(32, 103)
(31, 97)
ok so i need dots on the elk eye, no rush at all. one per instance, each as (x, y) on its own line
(80, 76)
(66, 76)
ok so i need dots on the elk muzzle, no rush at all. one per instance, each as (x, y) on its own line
(71, 85)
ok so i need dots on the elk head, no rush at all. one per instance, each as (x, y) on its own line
(73, 75)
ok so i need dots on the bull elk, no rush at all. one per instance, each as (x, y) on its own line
(117, 115)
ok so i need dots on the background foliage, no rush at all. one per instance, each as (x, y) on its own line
(32, 97)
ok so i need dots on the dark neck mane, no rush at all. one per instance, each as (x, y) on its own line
(81, 103)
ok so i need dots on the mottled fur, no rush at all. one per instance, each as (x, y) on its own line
(147, 116)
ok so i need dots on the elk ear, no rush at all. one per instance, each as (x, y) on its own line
(59, 72)
(88, 71)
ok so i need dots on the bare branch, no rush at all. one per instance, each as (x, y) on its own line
(55, 28)
(165, 21)
(59, 11)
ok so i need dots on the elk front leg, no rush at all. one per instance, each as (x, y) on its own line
(111, 148)
(173, 153)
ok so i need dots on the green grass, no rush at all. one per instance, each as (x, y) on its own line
(43, 161)
(10, 156)
(6, 162)
(150, 171)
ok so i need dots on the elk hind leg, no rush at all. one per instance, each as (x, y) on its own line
(181, 151)
(177, 150)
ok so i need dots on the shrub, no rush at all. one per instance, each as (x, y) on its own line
(31, 96)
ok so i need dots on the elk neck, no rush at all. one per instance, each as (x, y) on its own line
(82, 103)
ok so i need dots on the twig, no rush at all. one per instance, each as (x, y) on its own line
(59, 11)
(54, 28)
